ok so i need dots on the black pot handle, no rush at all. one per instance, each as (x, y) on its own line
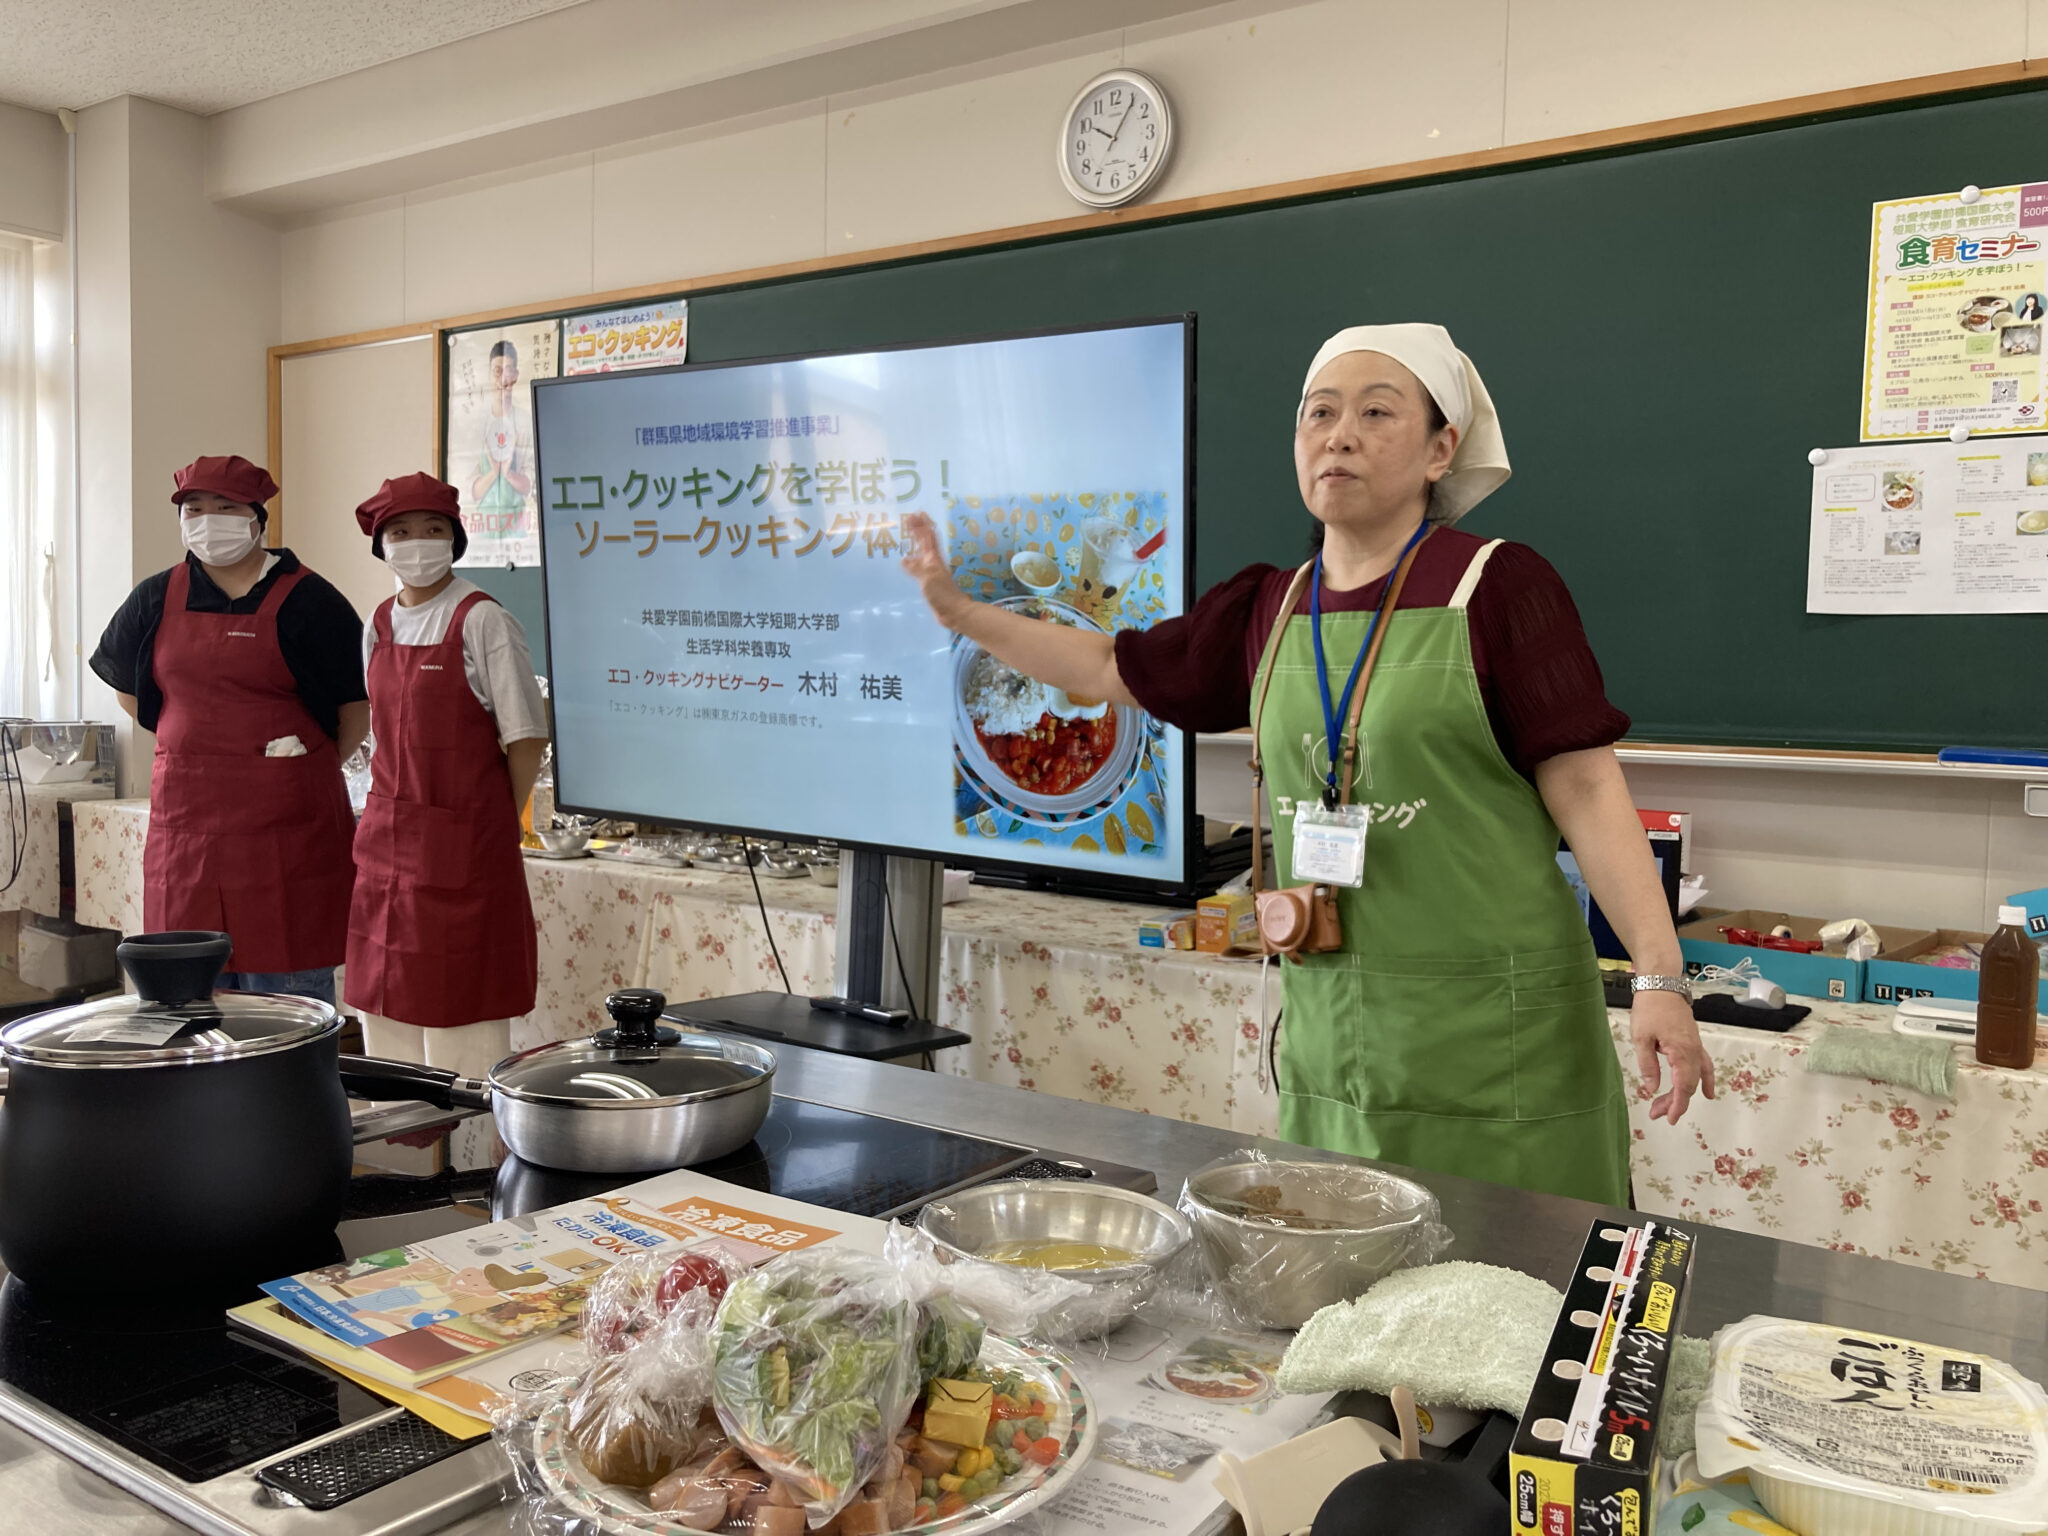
(374, 1077)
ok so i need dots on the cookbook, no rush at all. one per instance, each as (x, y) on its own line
(412, 1315)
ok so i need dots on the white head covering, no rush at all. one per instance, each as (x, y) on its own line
(1480, 465)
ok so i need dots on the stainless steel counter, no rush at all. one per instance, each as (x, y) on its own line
(1736, 1274)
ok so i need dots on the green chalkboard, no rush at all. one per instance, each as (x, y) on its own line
(1666, 332)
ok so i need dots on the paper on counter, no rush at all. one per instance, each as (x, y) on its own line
(1930, 528)
(1167, 1403)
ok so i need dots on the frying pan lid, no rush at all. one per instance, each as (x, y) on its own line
(587, 1073)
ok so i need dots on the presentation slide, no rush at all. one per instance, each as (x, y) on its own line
(734, 644)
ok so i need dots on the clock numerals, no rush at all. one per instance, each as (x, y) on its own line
(1116, 140)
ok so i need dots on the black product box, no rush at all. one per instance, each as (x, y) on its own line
(1585, 1460)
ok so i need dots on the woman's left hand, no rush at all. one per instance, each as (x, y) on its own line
(1663, 1027)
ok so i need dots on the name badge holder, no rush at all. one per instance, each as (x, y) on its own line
(1329, 843)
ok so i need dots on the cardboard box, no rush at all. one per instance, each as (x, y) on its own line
(1169, 930)
(1225, 922)
(1585, 1456)
(1835, 977)
(1676, 824)
(59, 956)
(1894, 978)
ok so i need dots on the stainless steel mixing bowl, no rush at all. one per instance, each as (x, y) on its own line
(992, 1216)
(1280, 1276)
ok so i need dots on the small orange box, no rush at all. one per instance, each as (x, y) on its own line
(1225, 922)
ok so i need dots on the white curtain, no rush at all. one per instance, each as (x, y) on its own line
(24, 556)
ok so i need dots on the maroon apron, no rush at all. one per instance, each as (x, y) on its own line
(441, 931)
(251, 846)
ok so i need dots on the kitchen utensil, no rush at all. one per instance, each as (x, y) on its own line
(1407, 1497)
(562, 842)
(636, 1098)
(973, 1222)
(1279, 1275)
(204, 1137)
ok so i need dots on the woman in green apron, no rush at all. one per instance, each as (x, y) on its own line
(1461, 1027)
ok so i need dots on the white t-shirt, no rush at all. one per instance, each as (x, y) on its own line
(495, 660)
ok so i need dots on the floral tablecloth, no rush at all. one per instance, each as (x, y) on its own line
(39, 885)
(1060, 998)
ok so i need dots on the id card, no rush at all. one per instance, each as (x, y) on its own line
(1329, 843)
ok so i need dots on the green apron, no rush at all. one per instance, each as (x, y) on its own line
(1462, 1028)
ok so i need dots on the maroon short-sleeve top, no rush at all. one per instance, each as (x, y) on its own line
(1537, 673)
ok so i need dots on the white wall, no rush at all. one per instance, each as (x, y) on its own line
(34, 174)
(1263, 92)
(386, 395)
(177, 305)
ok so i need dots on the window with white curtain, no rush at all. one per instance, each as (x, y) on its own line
(27, 552)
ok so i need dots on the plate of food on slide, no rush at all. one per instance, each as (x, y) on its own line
(1046, 756)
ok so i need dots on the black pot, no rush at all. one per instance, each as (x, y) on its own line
(203, 1149)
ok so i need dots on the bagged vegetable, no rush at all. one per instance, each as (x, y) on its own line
(949, 1339)
(815, 1370)
(642, 1408)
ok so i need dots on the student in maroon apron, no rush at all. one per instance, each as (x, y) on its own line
(440, 942)
(249, 669)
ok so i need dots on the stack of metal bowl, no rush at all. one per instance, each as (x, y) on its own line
(994, 1217)
(1283, 1240)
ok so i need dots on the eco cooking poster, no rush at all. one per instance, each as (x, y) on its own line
(735, 644)
(640, 336)
(1958, 298)
(488, 413)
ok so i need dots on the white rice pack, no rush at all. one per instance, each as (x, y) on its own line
(1844, 1432)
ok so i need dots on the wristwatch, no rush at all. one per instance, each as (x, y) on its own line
(1676, 984)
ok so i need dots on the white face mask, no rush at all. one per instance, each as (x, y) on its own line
(218, 538)
(420, 562)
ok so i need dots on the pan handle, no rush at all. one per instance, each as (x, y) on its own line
(374, 1077)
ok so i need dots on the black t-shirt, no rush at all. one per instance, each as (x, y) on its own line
(317, 629)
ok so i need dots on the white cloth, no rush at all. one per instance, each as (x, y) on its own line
(1480, 465)
(495, 660)
(467, 1050)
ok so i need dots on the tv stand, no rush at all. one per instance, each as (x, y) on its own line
(885, 971)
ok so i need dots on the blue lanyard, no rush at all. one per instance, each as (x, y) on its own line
(1315, 614)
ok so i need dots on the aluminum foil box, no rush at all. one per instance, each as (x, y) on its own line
(1585, 1460)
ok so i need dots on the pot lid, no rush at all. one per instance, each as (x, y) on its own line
(599, 1074)
(133, 1032)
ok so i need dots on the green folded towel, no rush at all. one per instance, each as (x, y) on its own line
(1927, 1066)
(1692, 1362)
(1457, 1335)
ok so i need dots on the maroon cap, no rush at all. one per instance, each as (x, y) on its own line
(409, 493)
(233, 477)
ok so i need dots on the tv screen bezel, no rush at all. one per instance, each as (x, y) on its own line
(962, 857)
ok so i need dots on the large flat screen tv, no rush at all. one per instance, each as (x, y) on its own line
(733, 645)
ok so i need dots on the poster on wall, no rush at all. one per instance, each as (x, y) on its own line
(1930, 528)
(1958, 297)
(639, 336)
(489, 453)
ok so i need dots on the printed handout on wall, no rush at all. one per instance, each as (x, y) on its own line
(1958, 296)
(1931, 528)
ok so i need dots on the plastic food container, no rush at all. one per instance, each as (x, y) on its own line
(1849, 1433)
(1283, 1240)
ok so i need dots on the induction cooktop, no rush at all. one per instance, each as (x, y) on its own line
(232, 1434)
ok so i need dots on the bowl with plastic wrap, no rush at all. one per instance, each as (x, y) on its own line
(1284, 1239)
(1112, 1243)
